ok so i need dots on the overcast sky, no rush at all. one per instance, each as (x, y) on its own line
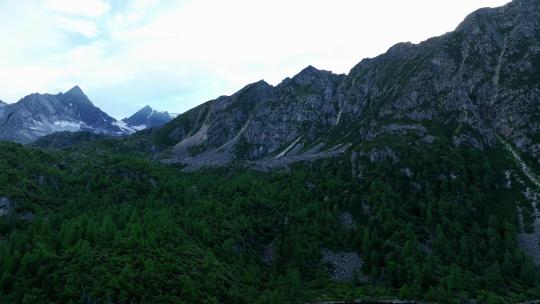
(174, 55)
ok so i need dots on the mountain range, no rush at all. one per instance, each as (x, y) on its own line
(37, 115)
(414, 176)
(478, 83)
(482, 79)
(477, 88)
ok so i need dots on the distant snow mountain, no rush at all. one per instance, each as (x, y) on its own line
(37, 115)
(147, 118)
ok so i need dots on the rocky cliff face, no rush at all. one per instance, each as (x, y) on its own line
(40, 114)
(475, 83)
(256, 121)
(484, 76)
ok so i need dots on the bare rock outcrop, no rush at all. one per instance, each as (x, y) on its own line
(343, 265)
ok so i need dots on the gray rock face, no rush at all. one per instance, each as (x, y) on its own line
(37, 115)
(347, 221)
(6, 206)
(148, 118)
(467, 140)
(484, 76)
(530, 242)
(477, 82)
(381, 155)
(344, 265)
(256, 121)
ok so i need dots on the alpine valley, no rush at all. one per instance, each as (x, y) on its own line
(414, 178)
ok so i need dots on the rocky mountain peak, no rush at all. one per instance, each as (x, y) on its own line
(500, 20)
(482, 75)
(143, 112)
(525, 4)
(147, 117)
(311, 75)
(76, 95)
(261, 84)
(251, 92)
(399, 48)
(75, 91)
(37, 115)
(309, 70)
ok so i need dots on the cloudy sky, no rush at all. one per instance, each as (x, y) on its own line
(174, 55)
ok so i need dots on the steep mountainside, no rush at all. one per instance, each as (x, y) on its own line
(256, 121)
(148, 118)
(41, 114)
(482, 78)
(415, 176)
(477, 88)
(480, 81)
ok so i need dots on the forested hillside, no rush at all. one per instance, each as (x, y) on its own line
(439, 224)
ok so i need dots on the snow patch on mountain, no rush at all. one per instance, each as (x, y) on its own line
(124, 126)
(64, 124)
(37, 115)
(139, 128)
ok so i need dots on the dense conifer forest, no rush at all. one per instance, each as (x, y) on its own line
(93, 226)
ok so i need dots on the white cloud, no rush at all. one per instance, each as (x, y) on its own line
(76, 25)
(175, 56)
(243, 40)
(123, 19)
(142, 4)
(85, 8)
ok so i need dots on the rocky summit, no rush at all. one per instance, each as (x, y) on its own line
(40, 114)
(148, 118)
(37, 115)
(481, 80)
